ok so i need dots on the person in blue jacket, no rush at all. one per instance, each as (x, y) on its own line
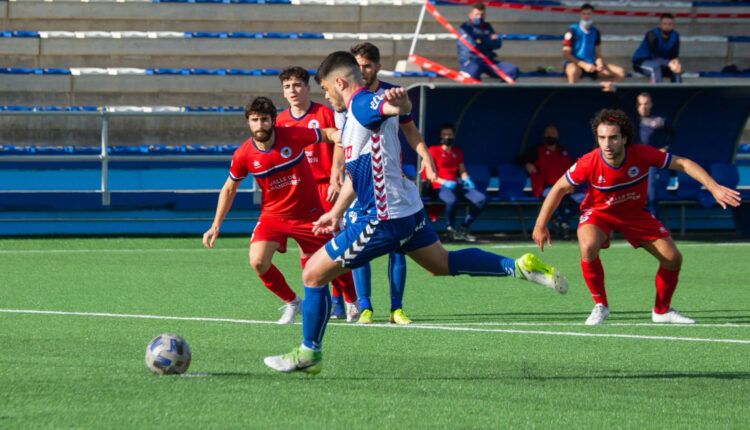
(479, 32)
(582, 52)
(658, 55)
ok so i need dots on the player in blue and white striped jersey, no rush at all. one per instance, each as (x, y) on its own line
(391, 216)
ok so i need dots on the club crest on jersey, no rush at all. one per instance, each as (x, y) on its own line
(633, 171)
(313, 124)
(375, 102)
(256, 164)
(286, 152)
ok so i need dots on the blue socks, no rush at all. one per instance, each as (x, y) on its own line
(397, 277)
(363, 285)
(475, 262)
(316, 309)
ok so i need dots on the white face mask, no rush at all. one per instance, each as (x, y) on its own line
(586, 24)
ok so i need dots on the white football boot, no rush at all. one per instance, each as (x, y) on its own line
(352, 311)
(671, 317)
(290, 310)
(598, 315)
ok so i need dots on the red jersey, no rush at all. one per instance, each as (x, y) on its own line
(617, 190)
(446, 162)
(550, 165)
(319, 156)
(282, 172)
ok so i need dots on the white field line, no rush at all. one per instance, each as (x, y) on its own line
(152, 250)
(609, 324)
(389, 326)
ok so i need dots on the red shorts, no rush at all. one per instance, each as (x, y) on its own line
(636, 227)
(279, 230)
(323, 193)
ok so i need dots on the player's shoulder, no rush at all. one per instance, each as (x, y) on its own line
(244, 149)
(589, 158)
(283, 114)
(365, 101)
(387, 85)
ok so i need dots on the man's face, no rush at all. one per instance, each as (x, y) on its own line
(610, 141)
(261, 126)
(643, 105)
(446, 134)
(551, 132)
(296, 91)
(369, 70)
(586, 14)
(475, 14)
(333, 93)
(666, 25)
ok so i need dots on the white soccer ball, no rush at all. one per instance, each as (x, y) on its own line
(168, 354)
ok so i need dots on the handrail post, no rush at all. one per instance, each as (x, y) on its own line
(105, 159)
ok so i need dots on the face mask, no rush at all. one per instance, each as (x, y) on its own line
(448, 142)
(477, 21)
(549, 140)
(586, 24)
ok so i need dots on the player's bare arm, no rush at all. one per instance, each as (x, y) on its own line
(226, 198)
(414, 137)
(330, 135)
(337, 172)
(724, 196)
(541, 235)
(329, 221)
(397, 102)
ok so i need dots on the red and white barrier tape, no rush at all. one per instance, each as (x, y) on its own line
(625, 13)
(444, 22)
(441, 70)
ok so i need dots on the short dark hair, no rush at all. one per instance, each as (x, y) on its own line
(478, 6)
(644, 94)
(666, 15)
(295, 72)
(614, 117)
(367, 50)
(261, 105)
(336, 60)
(448, 126)
(587, 6)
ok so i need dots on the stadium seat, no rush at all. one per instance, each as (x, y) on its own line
(410, 170)
(687, 188)
(725, 174)
(480, 175)
(512, 183)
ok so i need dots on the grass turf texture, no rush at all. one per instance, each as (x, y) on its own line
(85, 371)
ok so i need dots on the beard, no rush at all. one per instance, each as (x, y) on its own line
(262, 135)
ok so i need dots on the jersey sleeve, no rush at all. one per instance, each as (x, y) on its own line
(368, 109)
(459, 155)
(569, 39)
(578, 173)
(598, 38)
(327, 119)
(300, 137)
(655, 157)
(237, 170)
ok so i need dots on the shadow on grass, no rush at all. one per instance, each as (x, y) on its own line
(666, 375)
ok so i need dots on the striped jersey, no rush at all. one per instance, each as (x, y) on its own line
(617, 190)
(373, 160)
(282, 173)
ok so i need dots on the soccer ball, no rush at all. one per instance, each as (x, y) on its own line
(168, 354)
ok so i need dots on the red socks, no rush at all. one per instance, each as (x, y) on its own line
(666, 283)
(345, 284)
(274, 281)
(593, 274)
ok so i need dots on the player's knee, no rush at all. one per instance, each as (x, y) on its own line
(589, 249)
(312, 277)
(673, 261)
(260, 265)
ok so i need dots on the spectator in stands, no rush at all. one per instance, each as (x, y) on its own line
(658, 55)
(582, 53)
(653, 131)
(479, 32)
(545, 163)
(454, 183)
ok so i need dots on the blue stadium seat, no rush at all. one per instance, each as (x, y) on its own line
(687, 188)
(410, 170)
(725, 174)
(512, 182)
(480, 175)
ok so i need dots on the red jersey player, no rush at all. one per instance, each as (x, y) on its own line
(302, 112)
(275, 156)
(617, 174)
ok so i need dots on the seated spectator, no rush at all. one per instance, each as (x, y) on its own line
(653, 131)
(582, 53)
(658, 55)
(479, 32)
(546, 163)
(454, 184)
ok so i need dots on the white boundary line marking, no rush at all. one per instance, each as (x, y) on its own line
(388, 326)
(609, 324)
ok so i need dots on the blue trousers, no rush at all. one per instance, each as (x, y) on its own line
(656, 70)
(477, 200)
(475, 68)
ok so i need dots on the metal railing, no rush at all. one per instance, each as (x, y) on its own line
(104, 157)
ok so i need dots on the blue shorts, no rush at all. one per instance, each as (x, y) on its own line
(366, 239)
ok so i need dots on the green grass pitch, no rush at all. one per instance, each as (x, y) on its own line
(483, 352)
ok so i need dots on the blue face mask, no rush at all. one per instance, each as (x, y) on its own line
(477, 21)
